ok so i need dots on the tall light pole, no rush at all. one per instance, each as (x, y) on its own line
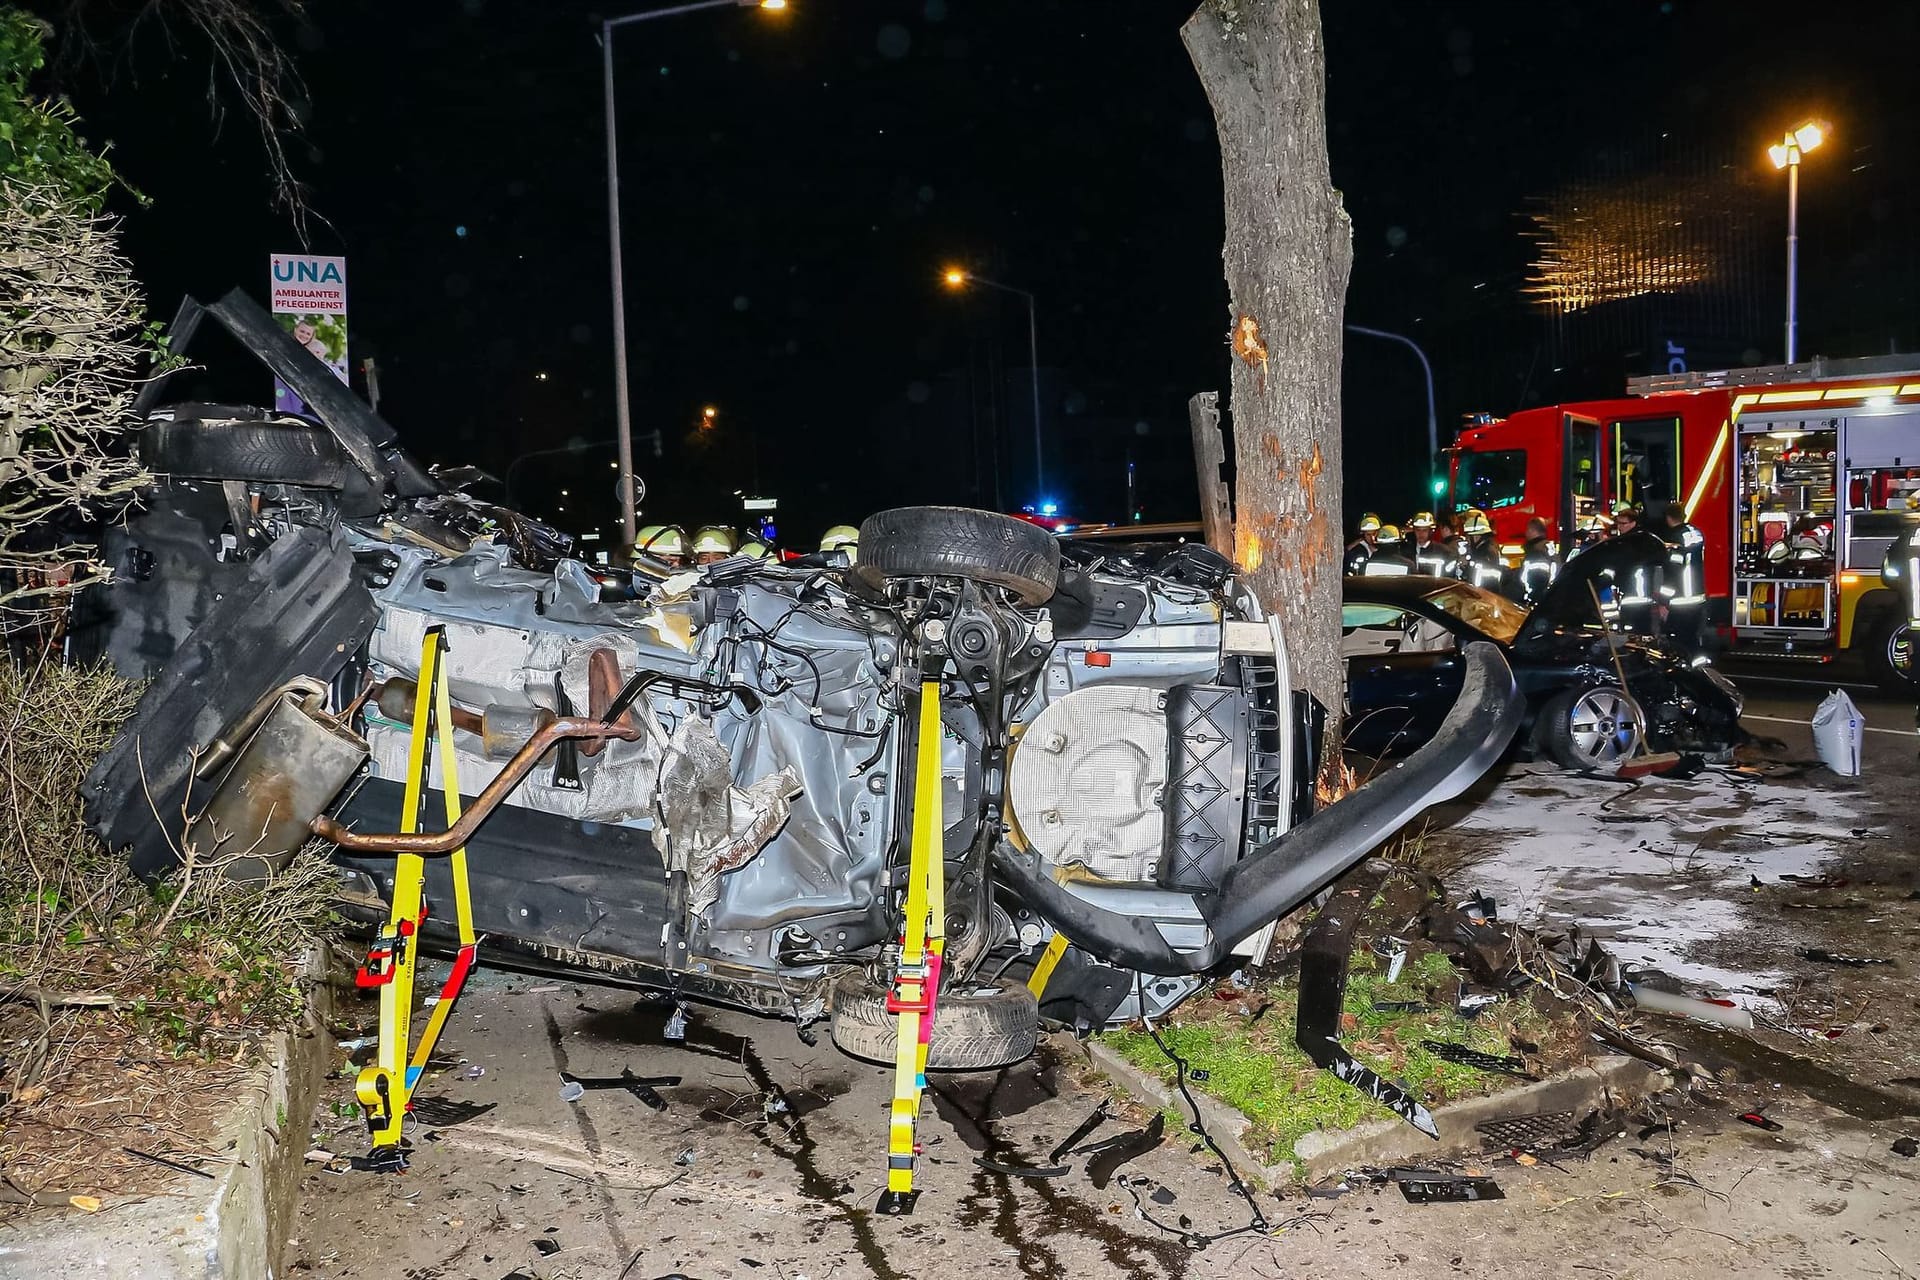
(1786, 154)
(1433, 421)
(955, 278)
(623, 410)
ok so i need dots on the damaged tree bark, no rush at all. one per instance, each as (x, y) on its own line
(1288, 250)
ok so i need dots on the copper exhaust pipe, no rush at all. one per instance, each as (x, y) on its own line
(509, 777)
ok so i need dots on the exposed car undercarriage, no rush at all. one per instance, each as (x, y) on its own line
(707, 787)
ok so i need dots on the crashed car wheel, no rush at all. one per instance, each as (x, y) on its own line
(959, 542)
(1592, 728)
(1890, 655)
(285, 451)
(973, 1030)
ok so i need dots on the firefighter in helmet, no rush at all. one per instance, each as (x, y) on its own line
(843, 538)
(712, 544)
(1426, 551)
(1539, 563)
(1482, 564)
(1360, 550)
(1635, 586)
(754, 547)
(1683, 583)
(1389, 557)
(1590, 531)
(664, 542)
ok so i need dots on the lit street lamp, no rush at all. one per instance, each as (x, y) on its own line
(955, 278)
(629, 498)
(1786, 154)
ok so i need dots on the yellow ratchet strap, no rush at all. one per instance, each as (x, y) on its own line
(923, 942)
(1043, 967)
(385, 1089)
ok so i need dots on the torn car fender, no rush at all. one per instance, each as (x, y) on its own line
(1285, 872)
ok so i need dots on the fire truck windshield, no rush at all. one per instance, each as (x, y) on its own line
(1490, 480)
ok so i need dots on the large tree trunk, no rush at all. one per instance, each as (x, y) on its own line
(1288, 249)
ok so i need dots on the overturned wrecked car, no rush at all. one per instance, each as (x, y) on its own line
(709, 788)
(1593, 697)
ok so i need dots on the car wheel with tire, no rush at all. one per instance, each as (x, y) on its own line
(263, 451)
(1592, 728)
(1890, 655)
(960, 542)
(974, 1029)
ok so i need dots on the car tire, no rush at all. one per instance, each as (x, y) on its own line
(282, 451)
(1586, 729)
(973, 1030)
(960, 542)
(1888, 636)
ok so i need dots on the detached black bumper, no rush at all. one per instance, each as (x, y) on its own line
(1282, 874)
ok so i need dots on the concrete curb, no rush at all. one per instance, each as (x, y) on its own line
(1386, 1141)
(232, 1228)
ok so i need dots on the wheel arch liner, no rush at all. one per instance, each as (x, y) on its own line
(1285, 872)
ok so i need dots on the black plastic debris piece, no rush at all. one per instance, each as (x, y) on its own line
(1022, 1171)
(641, 1087)
(1131, 1147)
(1323, 986)
(1201, 1074)
(1399, 1006)
(1074, 1139)
(1907, 1147)
(1760, 1121)
(1442, 1189)
(1447, 1051)
(444, 1113)
(1164, 1195)
(1841, 957)
(1480, 908)
(546, 1248)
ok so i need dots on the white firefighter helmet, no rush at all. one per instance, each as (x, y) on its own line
(713, 539)
(842, 537)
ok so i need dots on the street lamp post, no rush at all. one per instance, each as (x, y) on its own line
(629, 515)
(1433, 422)
(1786, 154)
(958, 279)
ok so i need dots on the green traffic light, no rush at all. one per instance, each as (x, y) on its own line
(1439, 485)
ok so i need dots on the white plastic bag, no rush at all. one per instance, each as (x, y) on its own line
(1837, 733)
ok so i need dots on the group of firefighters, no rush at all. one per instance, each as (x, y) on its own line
(1663, 598)
(710, 544)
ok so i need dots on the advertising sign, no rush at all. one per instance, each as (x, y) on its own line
(310, 302)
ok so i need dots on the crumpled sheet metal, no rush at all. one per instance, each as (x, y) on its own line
(707, 825)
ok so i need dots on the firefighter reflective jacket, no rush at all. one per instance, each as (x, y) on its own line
(1539, 566)
(1684, 581)
(1358, 553)
(1433, 557)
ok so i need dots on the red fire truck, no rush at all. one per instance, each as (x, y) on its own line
(1798, 476)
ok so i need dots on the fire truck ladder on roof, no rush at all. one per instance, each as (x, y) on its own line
(1818, 369)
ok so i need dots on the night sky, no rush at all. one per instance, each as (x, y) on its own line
(793, 184)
